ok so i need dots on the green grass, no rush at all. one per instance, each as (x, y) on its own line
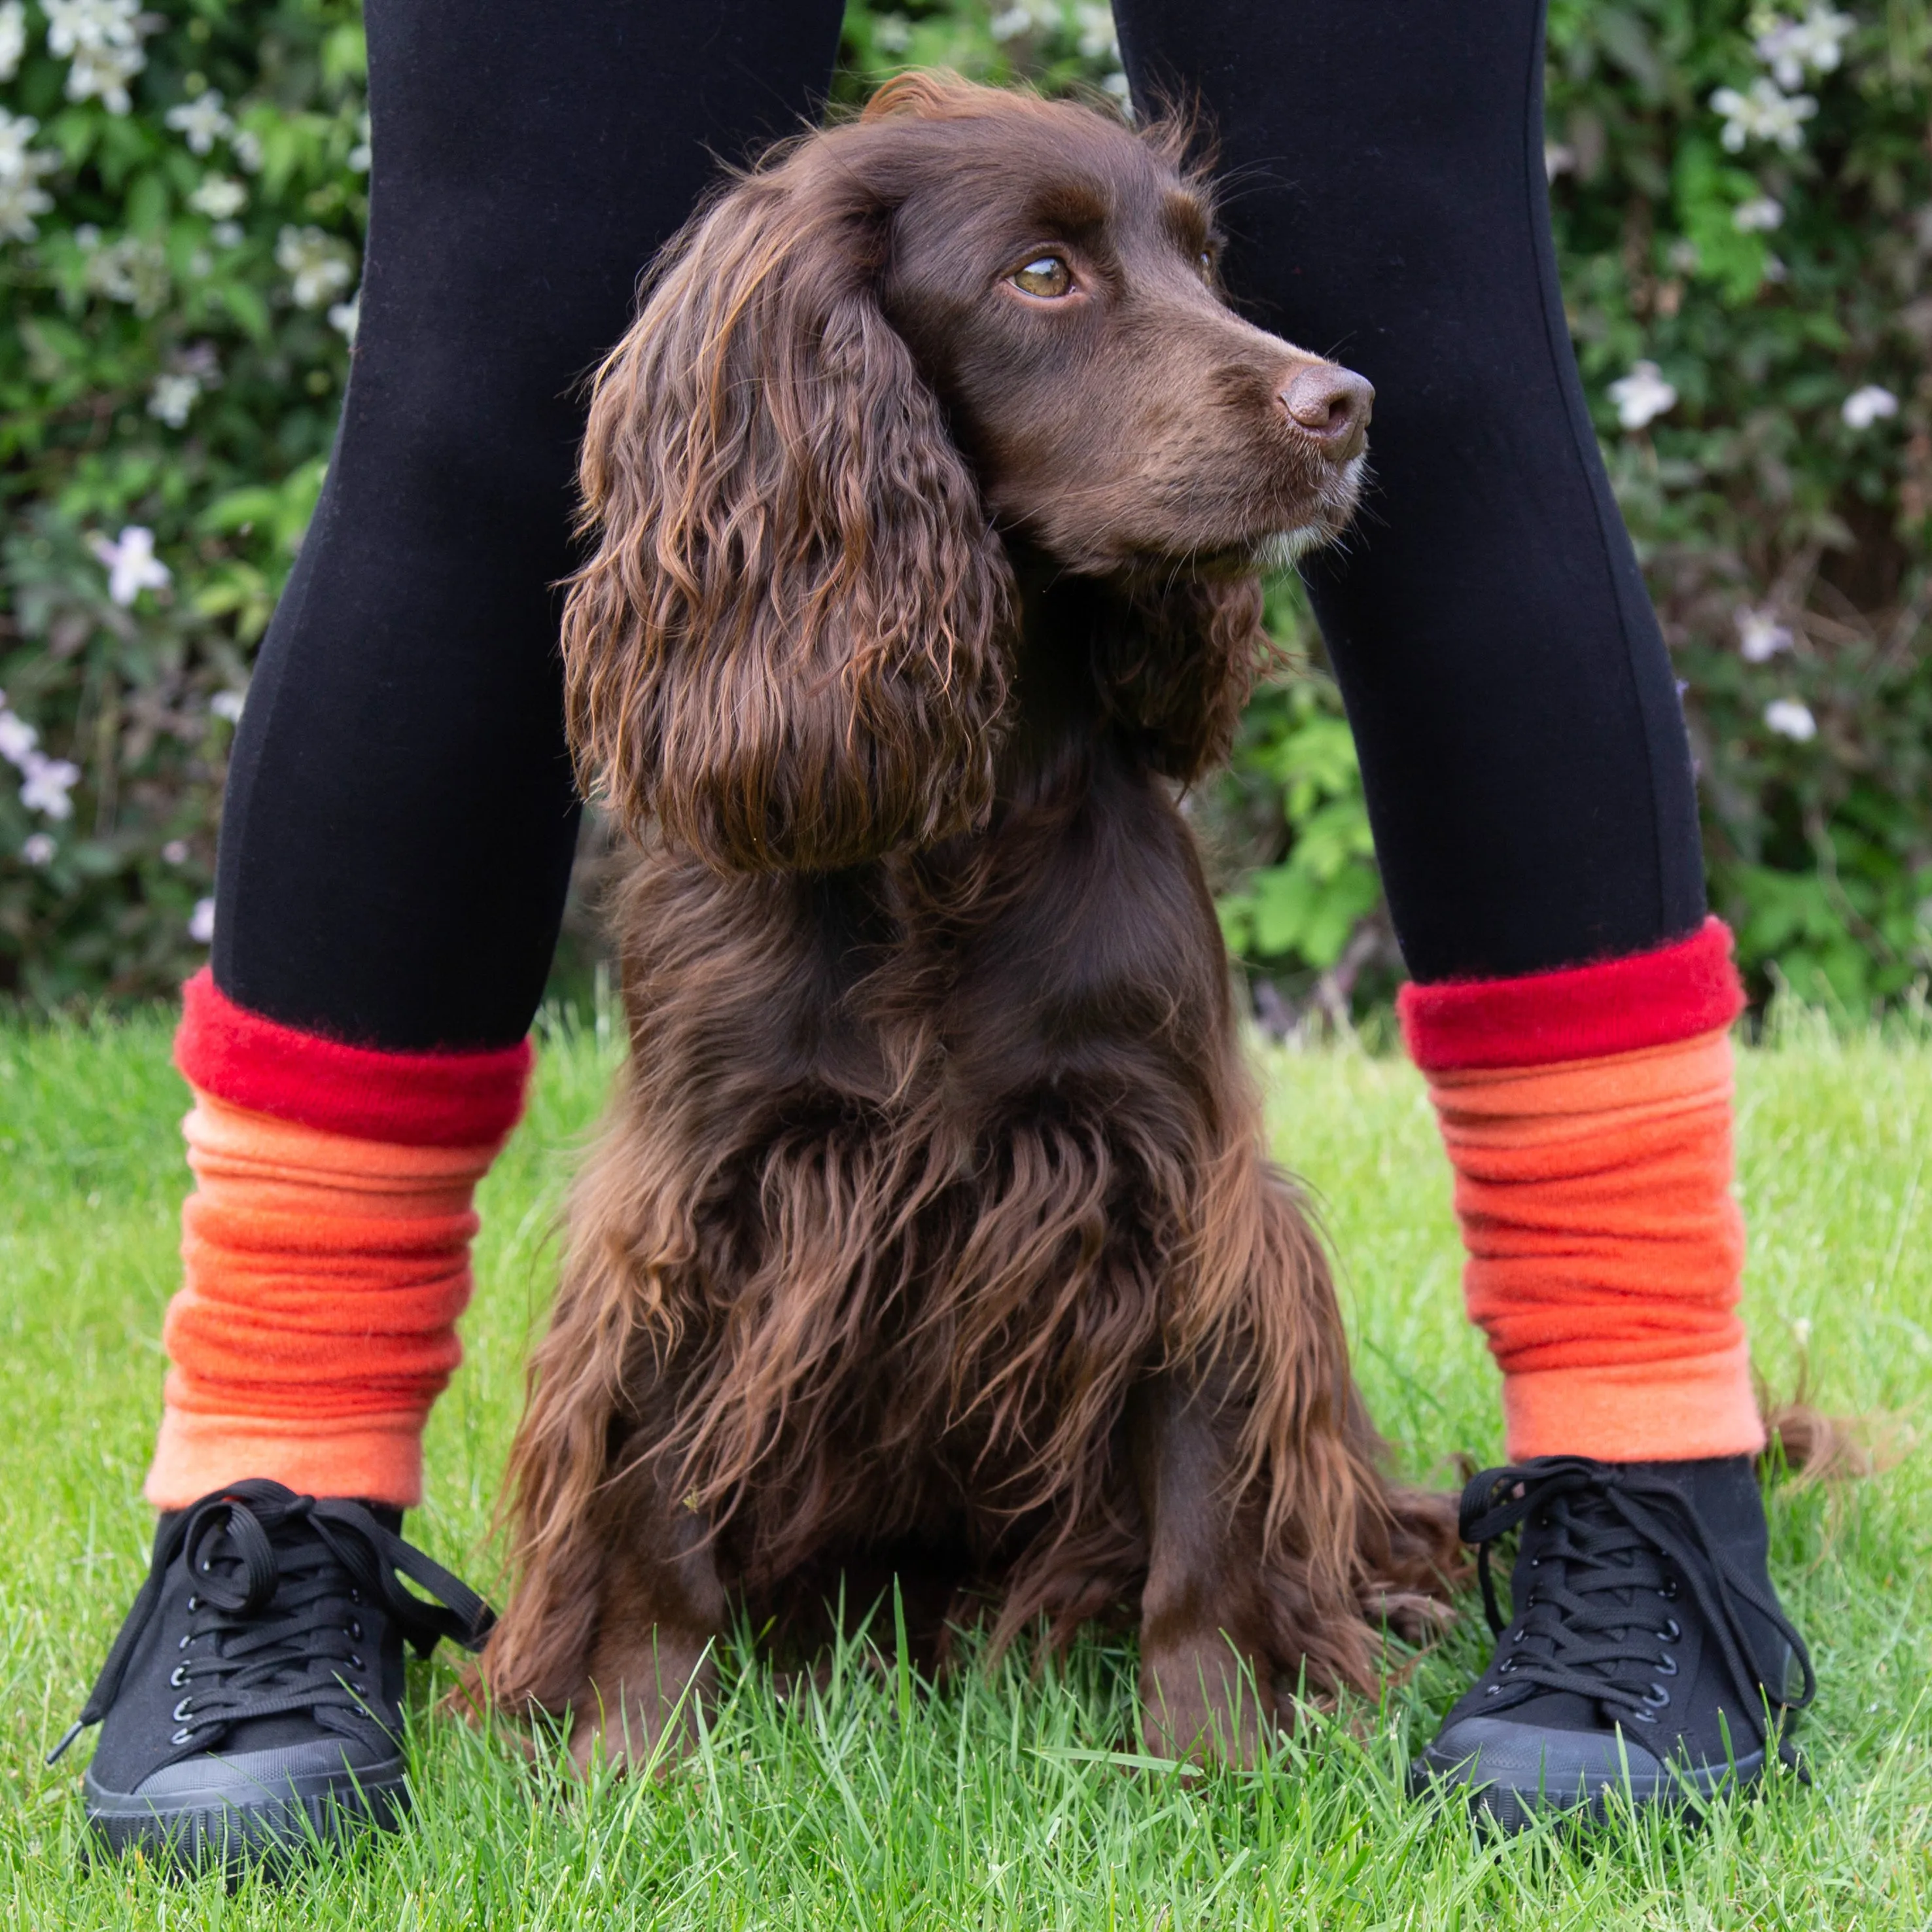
(1001, 1800)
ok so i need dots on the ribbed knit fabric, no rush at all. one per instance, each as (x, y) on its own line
(455, 1099)
(323, 1276)
(1605, 1250)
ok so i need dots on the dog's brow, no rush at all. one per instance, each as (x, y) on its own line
(1075, 208)
(1185, 217)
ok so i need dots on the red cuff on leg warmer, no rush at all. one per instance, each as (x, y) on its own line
(457, 1099)
(1578, 1013)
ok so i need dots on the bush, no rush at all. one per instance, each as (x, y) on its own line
(1744, 214)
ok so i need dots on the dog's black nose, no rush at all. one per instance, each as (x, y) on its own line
(1332, 405)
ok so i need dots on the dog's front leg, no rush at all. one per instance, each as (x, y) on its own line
(1206, 1691)
(661, 1612)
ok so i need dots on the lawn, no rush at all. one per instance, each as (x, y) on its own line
(1004, 1799)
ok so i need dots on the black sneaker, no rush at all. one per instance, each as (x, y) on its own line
(251, 1706)
(1647, 1654)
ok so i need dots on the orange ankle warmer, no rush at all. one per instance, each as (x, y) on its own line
(324, 1265)
(1587, 1116)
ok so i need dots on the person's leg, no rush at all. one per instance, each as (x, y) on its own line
(395, 847)
(1531, 789)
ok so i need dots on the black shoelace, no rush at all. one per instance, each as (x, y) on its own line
(278, 1580)
(1627, 1544)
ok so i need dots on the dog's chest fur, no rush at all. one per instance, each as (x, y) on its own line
(952, 1109)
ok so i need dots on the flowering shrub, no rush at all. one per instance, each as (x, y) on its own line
(1743, 199)
(181, 196)
(1744, 213)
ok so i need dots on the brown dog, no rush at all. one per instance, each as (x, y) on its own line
(931, 1221)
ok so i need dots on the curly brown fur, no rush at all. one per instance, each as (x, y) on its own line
(931, 1214)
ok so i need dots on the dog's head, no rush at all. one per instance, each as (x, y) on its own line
(967, 319)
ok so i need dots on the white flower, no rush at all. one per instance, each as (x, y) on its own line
(1642, 395)
(201, 123)
(175, 851)
(319, 266)
(1788, 47)
(346, 316)
(1864, 407)
(1760, 636)
(1758, 216)
(201, 922)
(132, 565)
(48, 782)
(246, 147)
(361, 154)
(12, 37)
(1026, 16)
(1117, 84)
(130, 270)
(226, 234)
(171, 396)
(76, 26)
(102, 74)
(20, 203)
(1099, 38)
(38, 848)
(1790, 718)
(1764, 114)
(18, 161)
(228, 704)
(219, 197)
(1558, 158)
(17, 738)
(21, 166)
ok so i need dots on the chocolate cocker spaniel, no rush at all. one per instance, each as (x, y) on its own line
(931, 1230)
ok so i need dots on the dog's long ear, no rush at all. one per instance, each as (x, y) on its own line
(788, 647)
(1179, 663)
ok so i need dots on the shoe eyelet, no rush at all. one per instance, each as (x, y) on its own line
(354, 1662)
(194, 1604)
(1536, 1563)
(1671, 1630)
(355, 1594)
(181, 1713)
(355, 1629)
(178, 1677)
(1668, 1592)
(184, 1643)
(1643, 1716)
(1493, 1690)
(207, 1566)
(1519, 1636)
(1657, 1696)
(1667, 1664)
(182, 1736)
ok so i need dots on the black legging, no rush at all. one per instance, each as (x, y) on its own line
(400, 819)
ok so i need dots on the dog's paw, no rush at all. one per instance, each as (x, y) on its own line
(641, 1713)
(1205, 1701)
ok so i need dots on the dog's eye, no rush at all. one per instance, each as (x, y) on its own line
(1047, 275)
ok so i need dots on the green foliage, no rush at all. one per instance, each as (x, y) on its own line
(1783, 525)
(178, 252)
(172, 360)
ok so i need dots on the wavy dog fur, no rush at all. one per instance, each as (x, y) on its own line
(931, 1226)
